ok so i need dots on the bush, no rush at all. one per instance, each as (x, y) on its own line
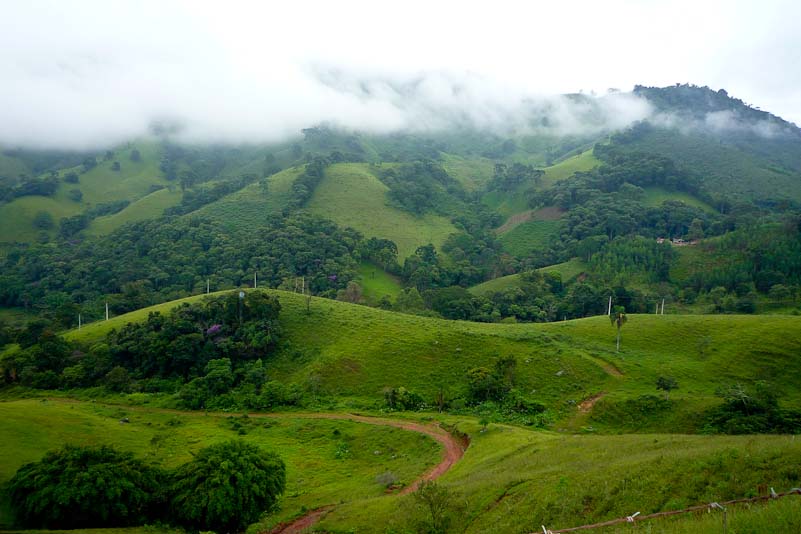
(43, 220)
(83, 487)
(402, 399)
(226, 487)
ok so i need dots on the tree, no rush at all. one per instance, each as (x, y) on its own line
(76, 195)
(43, 220)
(71, 177)
(83, 487)
(618, 319)
(136, 155)
(437, 503)
(117, 379)
(666, 384)
(226, 487)
(116, 166)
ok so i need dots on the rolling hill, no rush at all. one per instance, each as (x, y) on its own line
(356, 351)
(352, 196)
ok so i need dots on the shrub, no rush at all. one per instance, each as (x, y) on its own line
(82, 487)
(402, 399)
(226, 487)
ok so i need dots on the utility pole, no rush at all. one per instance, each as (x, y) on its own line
(303, 285)
(609, 311)
(656, 311)
(208, 287)
(79, 321)
(106, 311)
(663, 307)
(255, 282)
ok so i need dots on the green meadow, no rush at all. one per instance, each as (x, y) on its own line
(582, 162)
(328, 461)
(655, 196)
(567, 270)
(352, 196)
(148, 207)
(516, 480)
(253, 204)
(98, 185)
(376, 283)
(529, 236)
(356, 351)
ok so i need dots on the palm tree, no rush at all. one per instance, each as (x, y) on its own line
(618, 319)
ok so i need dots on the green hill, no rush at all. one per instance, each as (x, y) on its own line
(567, 270)
(351, 195)
(510, 203)
(98, 185)
(355, 351)
(316, 474)
(254, 203)
(150, 206)
(654, 196)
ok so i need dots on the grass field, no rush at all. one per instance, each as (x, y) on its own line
(568, 270)
(655, 196)
(529, 236)
(351, 195)
(356, 351)
(472, 173)
(509, 204)
(567, 167)
(147, 207)
(377, 283)
(327, 461)
(254, 204)
(515, 480)
(17, 216)
(511, 479)
(100, 184)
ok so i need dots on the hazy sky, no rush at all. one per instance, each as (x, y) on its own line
(77, 74)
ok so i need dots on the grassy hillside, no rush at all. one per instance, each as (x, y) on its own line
(132, 181)
(326, 460)
(472, 173)
(100, 184)
(377, 283)
(514, 480)
(511, 203)
(147, 207)
(529, 236)
(655, 196)
(356, 351)
(17, 216)
(509, 476)
(567, 167)
(255, 203)
(351, 195)
(568, 270)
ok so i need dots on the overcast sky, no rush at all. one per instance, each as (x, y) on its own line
(78, 74)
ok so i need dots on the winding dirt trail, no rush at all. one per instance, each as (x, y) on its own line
(453, 450)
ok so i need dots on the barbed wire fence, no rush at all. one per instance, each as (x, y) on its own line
(637, 517)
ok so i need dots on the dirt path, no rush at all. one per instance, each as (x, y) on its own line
(587, 404)
(453, 450)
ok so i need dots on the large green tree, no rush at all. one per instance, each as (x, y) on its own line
(83, 487)
(226, 487)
